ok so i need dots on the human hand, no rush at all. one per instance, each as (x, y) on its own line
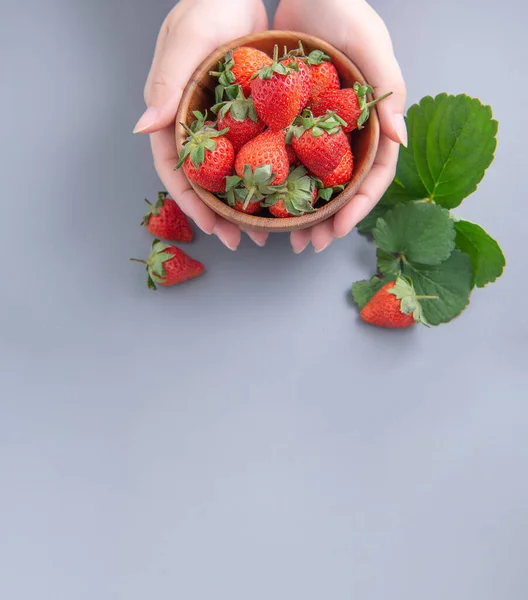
(191, 31)
(356, 29)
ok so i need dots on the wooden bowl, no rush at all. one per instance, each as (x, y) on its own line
(199, 95)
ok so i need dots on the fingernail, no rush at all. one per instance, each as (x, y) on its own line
(148, 118)
(401, 129)
(317, 250)
(225, 242)
(299, 250)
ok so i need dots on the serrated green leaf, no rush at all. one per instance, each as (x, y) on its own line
(388, 264)
(363, 291)
(485, 254)
(451, 281)
(452, 140)
(369, 222)
(421, 233)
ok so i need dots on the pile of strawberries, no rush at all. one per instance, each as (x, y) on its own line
(280, 141)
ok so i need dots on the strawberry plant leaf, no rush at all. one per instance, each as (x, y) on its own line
(369, 222)
(363, 291)
(485, 254)
(452, 140)
(451, 281)
(388, 264)
(417, 232)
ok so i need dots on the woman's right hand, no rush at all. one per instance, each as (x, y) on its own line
(191, 31)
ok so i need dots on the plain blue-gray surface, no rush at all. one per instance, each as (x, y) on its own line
(244, 437)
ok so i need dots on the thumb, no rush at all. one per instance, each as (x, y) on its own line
(178, 52)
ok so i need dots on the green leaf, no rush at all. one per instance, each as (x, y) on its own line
(485, 254)
(451, 281)
(363, 291)
(388, 264)
(369, 222)
(452, 140)
(421, 233)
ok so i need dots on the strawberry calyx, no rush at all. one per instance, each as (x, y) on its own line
(326, 193)
(364, 106)
(276, 67)
(403, 289)
(225, 74)
(201, 138)
(253, 186)
(330, 122)
(296, 193)
(317, 57)
(237, 104)
(155, 268)
(153, 209)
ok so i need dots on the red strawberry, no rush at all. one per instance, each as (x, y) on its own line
(277, 92)
(207, 155)
(395, 305)
(168, 265)
(239, 65)
(350, 104)
(305, 75)
(295, 198)
(342, 174)
(324, 74)
(268, 148)
(293, 159)
(239, 116)
(320, 143)
(166, 220)
(245, 193)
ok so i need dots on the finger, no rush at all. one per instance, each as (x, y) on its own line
(181, 50)
(165, 158)
(381, 69)
(371, 190)
(300, 238)
(259, 237)
(323, 235)
(227, 233)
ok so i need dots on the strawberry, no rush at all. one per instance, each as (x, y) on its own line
(277, 91)
(168, 265)
(305, 75)
(296, 197)
(349, 103)
(166, 220)
(293, 159)
(324, 74)
(239, 116)
(342, 174)
(320, 143)
(207, 155)
(245, 193)
(239, 65)
(268, 148)
(395, 305)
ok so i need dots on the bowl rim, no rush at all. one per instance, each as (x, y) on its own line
(272, 224)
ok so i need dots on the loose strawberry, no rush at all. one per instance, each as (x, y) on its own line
(277, 91)
(245, 193)
(320, 143)
(342, 174)
(166, 220)
(207, 155)
(239, 116)
(239, 65)
(349, 103)
(168, 265)
(268, 148)
(324, 75)
(295, 198)
(395, 306)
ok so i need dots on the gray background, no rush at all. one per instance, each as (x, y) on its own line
(244, 436)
